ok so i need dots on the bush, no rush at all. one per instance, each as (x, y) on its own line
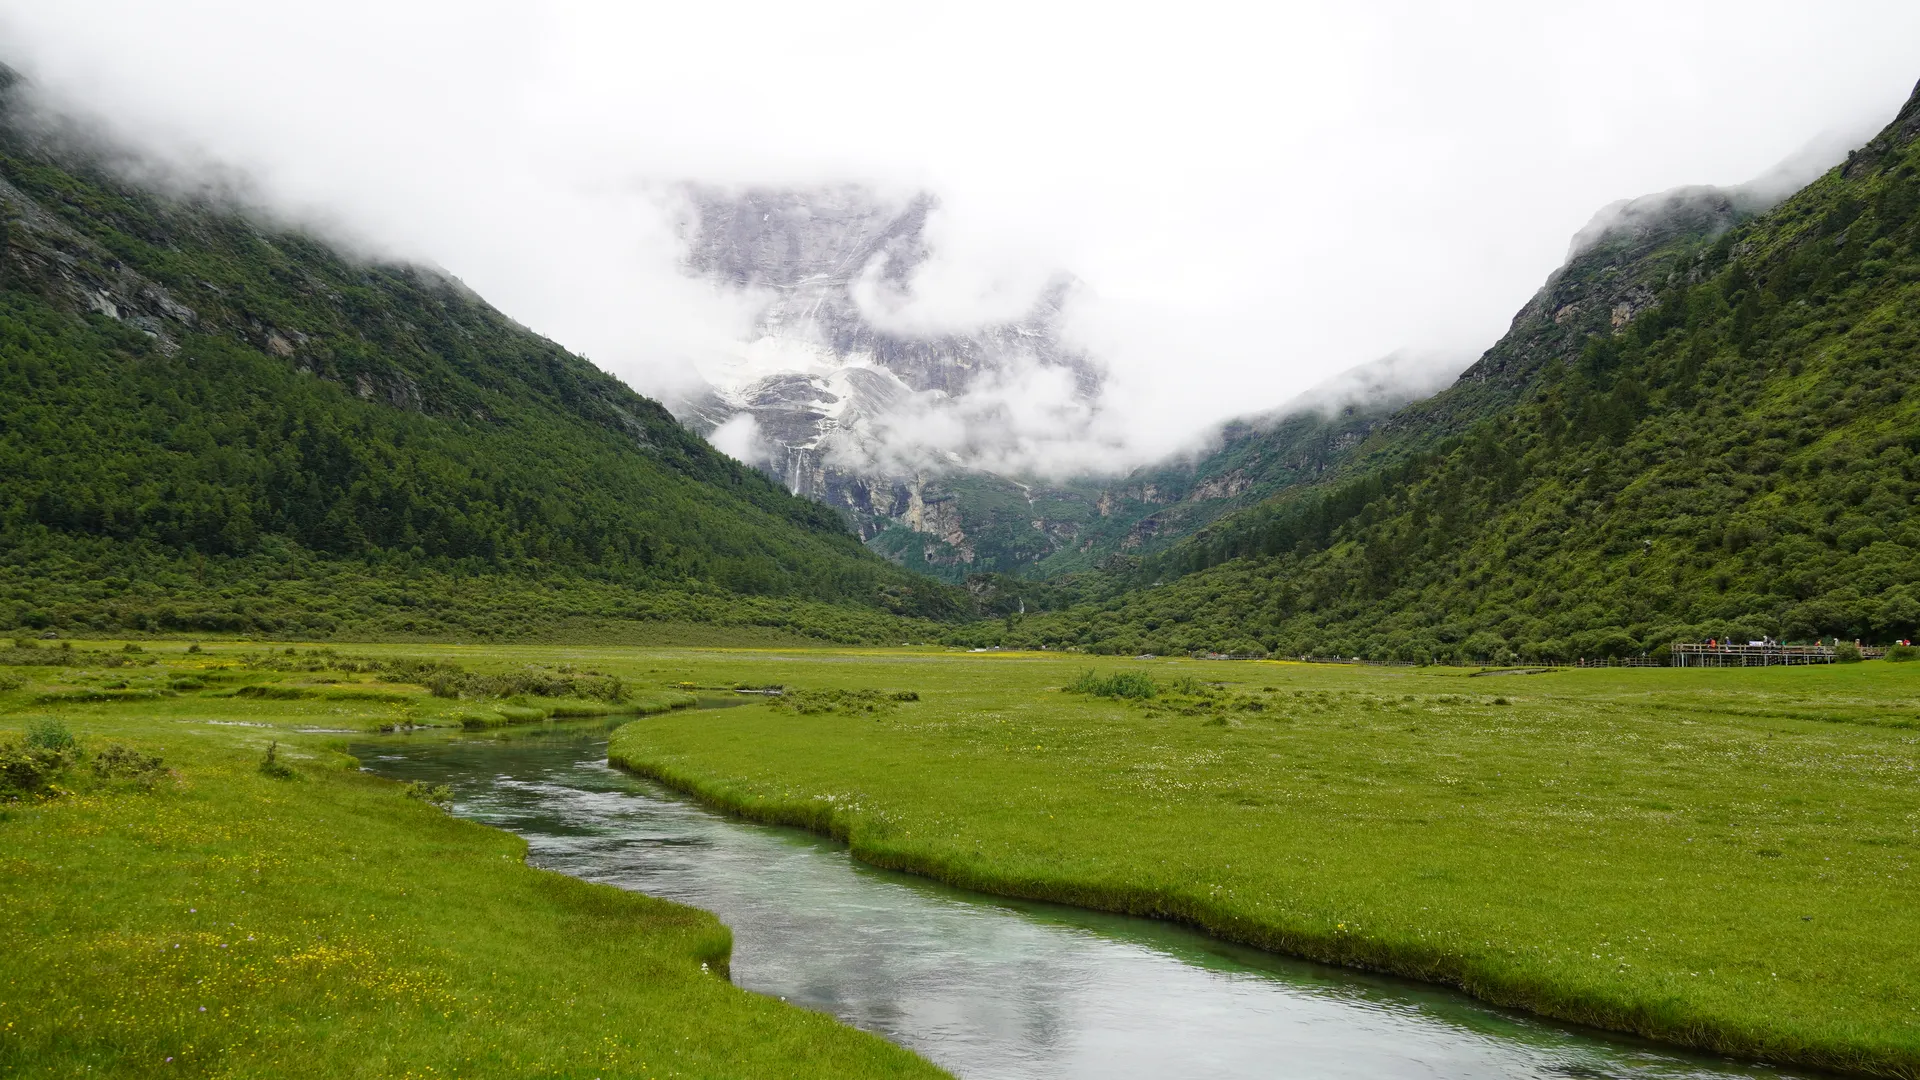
(812, 702)
(272, 766)
(47, 733)
(439, 795)
(1121, 684)
(1187, 684)
(1846, 653)
(1900, 654)
(26, 769)
(119, 762)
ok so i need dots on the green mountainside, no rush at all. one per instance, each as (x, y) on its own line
(1156, 507)
(968, 524)
(1702, 426)
(209, 423)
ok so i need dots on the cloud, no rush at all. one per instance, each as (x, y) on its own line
(1252, 198)
(739, 438)
(1025, 419)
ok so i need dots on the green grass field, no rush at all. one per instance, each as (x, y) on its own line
(1718, 858)
(225, 923)
(1722, 859)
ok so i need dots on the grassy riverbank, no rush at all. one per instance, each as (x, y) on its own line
(1721, 859)
(212, 920)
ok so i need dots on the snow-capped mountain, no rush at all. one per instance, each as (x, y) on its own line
(823, 397)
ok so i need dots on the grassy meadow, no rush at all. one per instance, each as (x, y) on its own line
(1722, 859)
(205, 918)
(1717, 858)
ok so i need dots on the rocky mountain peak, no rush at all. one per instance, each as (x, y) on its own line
(834, 392)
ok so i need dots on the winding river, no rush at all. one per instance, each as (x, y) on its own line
(988, 987)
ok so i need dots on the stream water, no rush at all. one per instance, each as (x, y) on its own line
(983, 986)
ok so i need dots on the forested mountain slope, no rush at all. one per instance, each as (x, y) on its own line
(203, 418)
(1156, 507)
(1703, 426)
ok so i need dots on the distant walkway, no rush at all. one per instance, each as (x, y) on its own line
(1765, 654)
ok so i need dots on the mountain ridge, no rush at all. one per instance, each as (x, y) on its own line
(1700, 427)
(187, 385)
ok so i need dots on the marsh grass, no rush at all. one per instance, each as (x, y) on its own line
(199, 918)
(1723, 859)
(815, 702)
(1114, 684)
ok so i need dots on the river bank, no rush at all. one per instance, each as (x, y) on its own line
(984, 986)
(1716, 859)
(210, 918)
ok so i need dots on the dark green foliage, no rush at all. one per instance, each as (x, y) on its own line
(442, 679)
(814, 702)
(30, 770)
(272, 766)
(48, 733)
(1901, 654)
(1117, 684)
(117, 762)
(262, 414)
(1736, 458)
(31, 767)
(28, 656)
(439, 795)
(1845, 653)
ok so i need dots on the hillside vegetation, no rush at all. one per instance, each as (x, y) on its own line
(188, 394)
(1704, 426)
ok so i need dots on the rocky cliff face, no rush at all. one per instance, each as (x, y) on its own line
(833, 404)
(823, 396)
(835, 399)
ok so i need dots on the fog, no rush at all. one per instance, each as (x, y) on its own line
(1252, 198)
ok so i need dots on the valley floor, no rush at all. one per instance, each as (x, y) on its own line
(1722, 859)
(227, 923)
(1717, 858)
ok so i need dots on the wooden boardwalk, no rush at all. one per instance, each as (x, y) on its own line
(1702, 654)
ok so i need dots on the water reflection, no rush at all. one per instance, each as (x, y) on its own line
(990, 988)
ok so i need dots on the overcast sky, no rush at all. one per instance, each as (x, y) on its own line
(1256, 196)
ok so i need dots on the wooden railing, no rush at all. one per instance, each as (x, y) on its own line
(1703, 654)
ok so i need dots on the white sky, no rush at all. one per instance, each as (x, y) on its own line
(1257, 196)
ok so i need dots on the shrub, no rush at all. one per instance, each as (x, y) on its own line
(118, 762)
(30, 770)
(271, 765)
(439, 795)
(811, 702)
(47, 733)
(1187, 684)
(1900, 654)
(1846, 653)
(1121, 684)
